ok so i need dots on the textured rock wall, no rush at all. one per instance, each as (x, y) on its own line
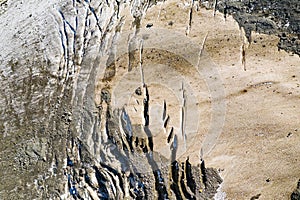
(60, 137)
(101, 99)
(270, 17)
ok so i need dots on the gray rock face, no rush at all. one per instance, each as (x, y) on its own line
(296, 194)
(57, 142)
(280, 17)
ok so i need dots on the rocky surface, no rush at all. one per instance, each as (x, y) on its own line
(296, 194)
(280, 17)
(62, 134)
(116, 100)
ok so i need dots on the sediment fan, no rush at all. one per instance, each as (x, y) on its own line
(160, 93)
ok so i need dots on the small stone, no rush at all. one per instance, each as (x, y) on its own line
(138, 91)
(105, 95)
(149, 25)
(73, 190)
(70, 162)
(255, 197)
